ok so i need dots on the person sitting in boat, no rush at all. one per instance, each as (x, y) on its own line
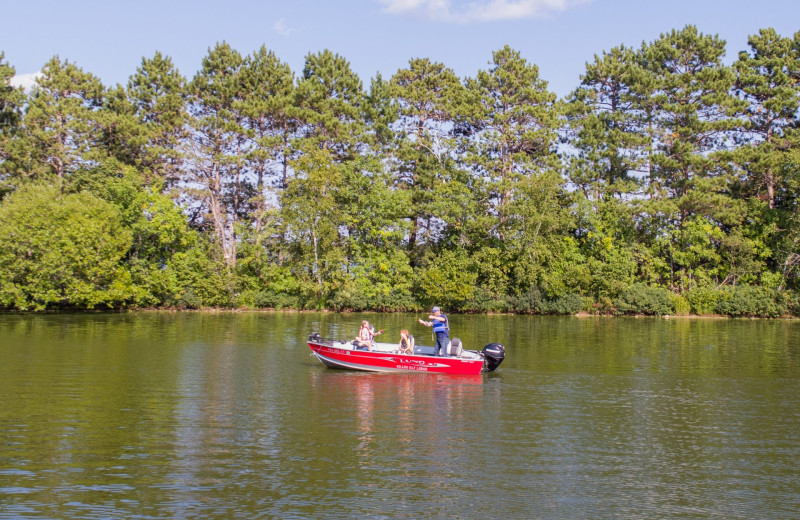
(406, 343)
(363, 340)
(441, 327)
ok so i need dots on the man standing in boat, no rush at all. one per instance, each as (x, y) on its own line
(441, 327)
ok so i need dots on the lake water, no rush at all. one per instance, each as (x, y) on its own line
(203, 415)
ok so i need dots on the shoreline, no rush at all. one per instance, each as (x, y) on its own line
(223, 310)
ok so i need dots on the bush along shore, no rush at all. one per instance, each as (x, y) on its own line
(665, 183)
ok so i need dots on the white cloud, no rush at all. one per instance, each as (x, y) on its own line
(26, 81)
(454, 11)
(281, 27)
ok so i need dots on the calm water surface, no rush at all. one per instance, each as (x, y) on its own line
(197, 415)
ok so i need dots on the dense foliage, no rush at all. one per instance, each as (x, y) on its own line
(665, 183)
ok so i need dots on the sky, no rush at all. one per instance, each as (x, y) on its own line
(110, 38)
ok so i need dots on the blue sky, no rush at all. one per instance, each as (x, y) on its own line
(109, 39)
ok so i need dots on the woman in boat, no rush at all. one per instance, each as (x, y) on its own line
(364, 338)
(406, 343)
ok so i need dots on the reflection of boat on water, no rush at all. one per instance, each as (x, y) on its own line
(342, 382)
(384, 357)
(371, 412)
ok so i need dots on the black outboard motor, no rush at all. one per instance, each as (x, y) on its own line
(493, 355)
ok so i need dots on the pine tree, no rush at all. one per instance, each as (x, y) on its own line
(605, 113)
(767, 78)
(694, 119)
(268, 92)
(11, 103)
(60, 120)
(267, 98)
(427, 95)
(696, 116)
(11, 99)
(514, 130)
(157, 93)
(328, 99)
(218, 147)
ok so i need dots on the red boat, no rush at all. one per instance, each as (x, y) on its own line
(385, 357)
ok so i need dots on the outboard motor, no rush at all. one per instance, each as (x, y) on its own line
(493, 355)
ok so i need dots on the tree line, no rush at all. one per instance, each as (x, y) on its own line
(666, 182)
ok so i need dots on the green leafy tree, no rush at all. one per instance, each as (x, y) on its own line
(310, 213)
(535, 243)
(61, 251)
(158, 228)
(373, 218)
(447, 280)
(604, 235)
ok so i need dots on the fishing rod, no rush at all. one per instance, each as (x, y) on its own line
(398, 327)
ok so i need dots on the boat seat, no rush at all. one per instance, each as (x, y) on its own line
(454, 348)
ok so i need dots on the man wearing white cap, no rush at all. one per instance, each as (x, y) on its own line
(441, 327)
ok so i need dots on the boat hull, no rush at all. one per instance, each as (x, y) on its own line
(334, 354)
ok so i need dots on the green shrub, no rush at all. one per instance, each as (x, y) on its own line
(528, 302)
(535, 302)
(703, 300)
(749, 301)
(791, 301)
(189, 300)
(566, 304)
(642, 299)
(343, 300)
(269, 299)
(680, 304)
(397, 300)
(487, 301)
(202, 281)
